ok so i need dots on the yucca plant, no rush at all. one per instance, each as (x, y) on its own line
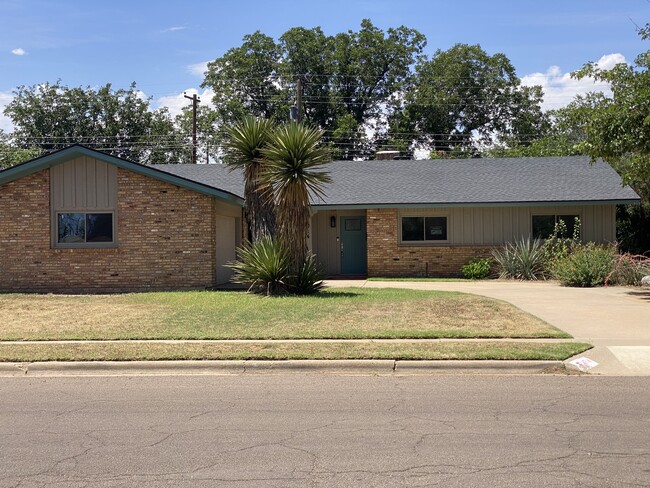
(242, 149)
(264, 266)
(308, 280)
(523, 260)
(293, 171)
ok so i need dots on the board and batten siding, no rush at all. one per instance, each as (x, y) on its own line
(499, 225)
(466, 226)
(83, 183)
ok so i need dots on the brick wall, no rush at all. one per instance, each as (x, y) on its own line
(386, 258)
(166, 240)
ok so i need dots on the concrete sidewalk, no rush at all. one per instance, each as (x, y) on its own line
(616, 320)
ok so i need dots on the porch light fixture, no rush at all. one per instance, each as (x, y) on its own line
(333, 221)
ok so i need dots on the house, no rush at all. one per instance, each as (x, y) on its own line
(82, 220)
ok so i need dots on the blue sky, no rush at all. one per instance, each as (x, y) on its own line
(157, 44)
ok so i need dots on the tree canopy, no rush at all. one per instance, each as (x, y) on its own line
(372, 88)
(120, 122)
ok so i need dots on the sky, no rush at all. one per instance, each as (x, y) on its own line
(164, 45)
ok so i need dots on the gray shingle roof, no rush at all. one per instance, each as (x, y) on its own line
(454, 182)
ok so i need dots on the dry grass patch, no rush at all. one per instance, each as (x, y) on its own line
(337, 314)
(130, 351)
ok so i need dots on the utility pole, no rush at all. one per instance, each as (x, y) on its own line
(195, 102)
(299, 99)
(296, 109)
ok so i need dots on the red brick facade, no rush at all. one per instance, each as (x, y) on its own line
(166, 240)
(387, 258)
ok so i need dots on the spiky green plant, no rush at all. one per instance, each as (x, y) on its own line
(242, 149)
(264, 266)
(293, 172)
(308, 280)
(523, 260)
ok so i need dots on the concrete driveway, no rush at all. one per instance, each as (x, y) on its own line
(616, 320)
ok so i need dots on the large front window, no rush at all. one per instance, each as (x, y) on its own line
(85, 228)
(544, 225)
(419, 229)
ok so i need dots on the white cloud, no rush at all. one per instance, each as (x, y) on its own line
(5, 122)
(18, 51)
(560, 89)
(175, 28)
(198, 69)
(176, 102)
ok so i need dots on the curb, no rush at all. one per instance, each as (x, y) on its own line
(216, 368)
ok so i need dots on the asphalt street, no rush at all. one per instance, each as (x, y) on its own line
(297, 430)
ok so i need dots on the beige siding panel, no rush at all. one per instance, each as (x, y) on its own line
(226, 232)
(498, 225)
(84, 184)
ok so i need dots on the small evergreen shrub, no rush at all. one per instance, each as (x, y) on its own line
(588, 265)
(477, 268)
(523, 260)
(264, 267)
(309, 278)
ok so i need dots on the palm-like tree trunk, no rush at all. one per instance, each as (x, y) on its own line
(293, 173)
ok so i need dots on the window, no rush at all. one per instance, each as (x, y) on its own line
(416, 229)
(84, 229)
(544, 225)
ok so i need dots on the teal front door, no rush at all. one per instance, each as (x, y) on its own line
(354, 257)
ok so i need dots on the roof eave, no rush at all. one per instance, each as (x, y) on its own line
(353, 206)
(47, 161)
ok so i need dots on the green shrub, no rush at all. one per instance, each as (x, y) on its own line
(523, 260)
(559, 245)
(264, 266)
(628, 270)
(477, 268)
(309, 278)
(587, 265)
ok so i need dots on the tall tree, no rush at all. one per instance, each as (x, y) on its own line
(120, 122)
(618, 126)
(617, 129)
(463, 98)
(294, 171)
(243, 149)
(347, 79)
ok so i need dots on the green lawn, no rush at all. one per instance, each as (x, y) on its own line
(131, 351)
(337, 313)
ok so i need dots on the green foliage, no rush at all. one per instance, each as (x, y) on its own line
(293, 170)
(347, 78)
(308, 280)
(11, 155)
(243, 149)
(633, 228)
(463, 97)
(523, 260)
(477, 269)
(588, 265)
(617, 127)
(560, 135)
(628, 270)
(559, 244)
(120, 122)
(264, 266)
